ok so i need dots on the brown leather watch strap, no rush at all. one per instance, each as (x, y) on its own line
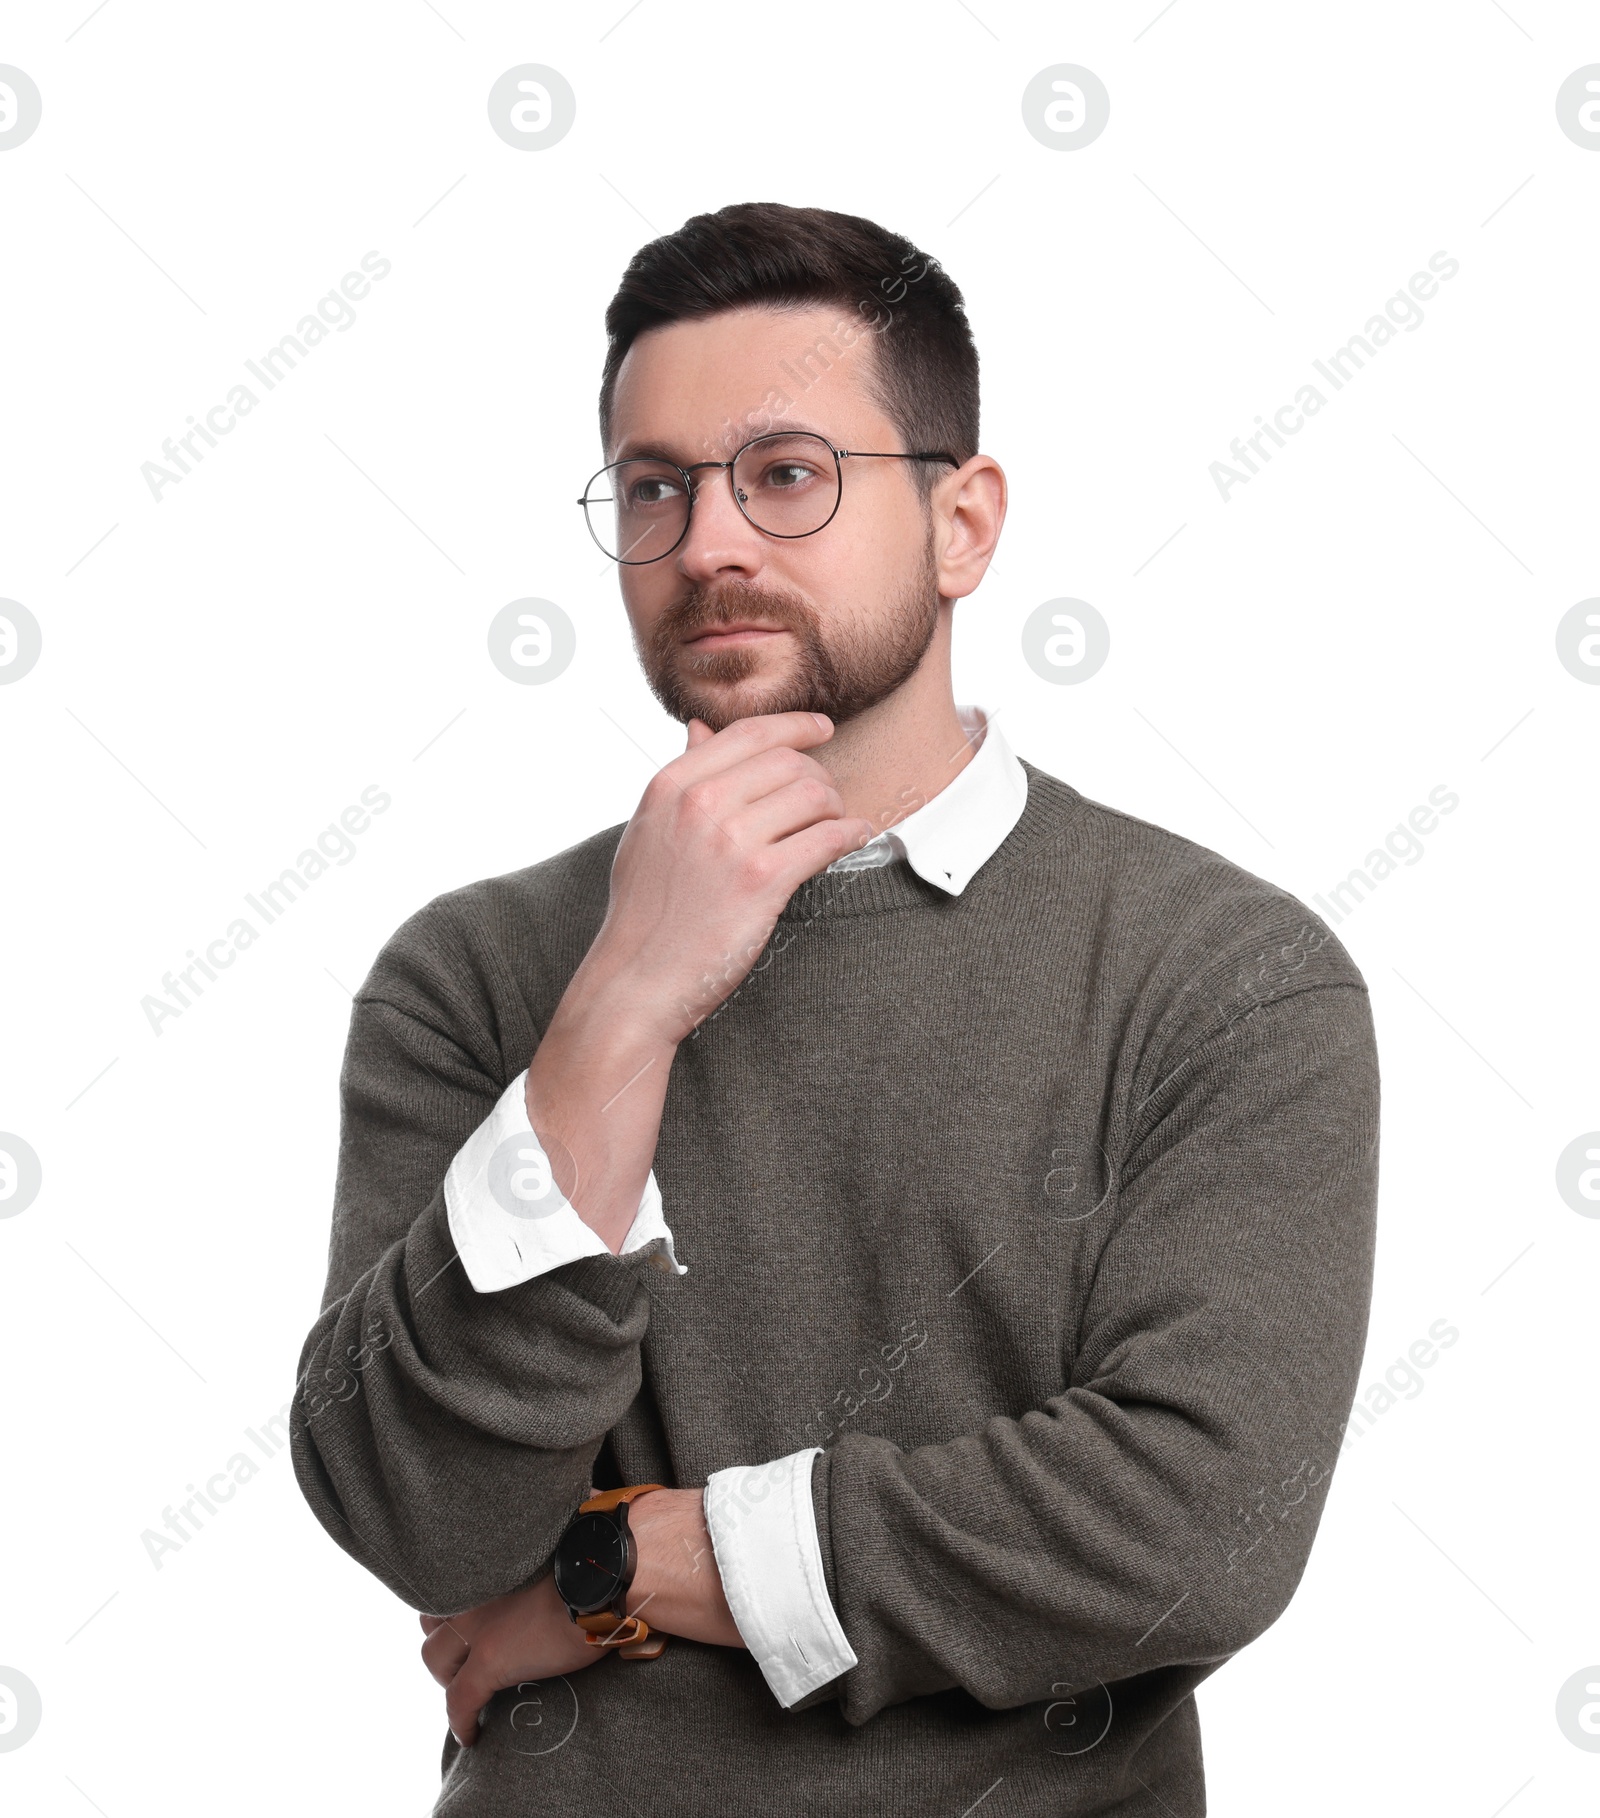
(606, 1500)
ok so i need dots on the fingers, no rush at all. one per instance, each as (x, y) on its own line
(753, 802)
(729, 790)
(786, 810)
(811, 850)
(449, 1658)
(747, 738)
(462, 1703)
(718, 773)
(444, 1650)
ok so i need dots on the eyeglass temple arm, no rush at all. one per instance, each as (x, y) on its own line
(871, 454)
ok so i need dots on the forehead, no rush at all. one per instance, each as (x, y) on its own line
(707, 384)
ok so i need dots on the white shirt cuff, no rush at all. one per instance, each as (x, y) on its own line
(509, 1219)
(763, 1530)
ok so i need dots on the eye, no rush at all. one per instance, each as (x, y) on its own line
(653, 489)
(785, 476)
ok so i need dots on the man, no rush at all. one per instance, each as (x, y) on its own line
(938, 1207)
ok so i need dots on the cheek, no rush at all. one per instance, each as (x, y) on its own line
(644, 601)
(867, 557)
(838, 583)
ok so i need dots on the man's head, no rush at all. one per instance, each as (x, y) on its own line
(763, 317)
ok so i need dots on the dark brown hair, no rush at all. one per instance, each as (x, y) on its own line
(924, 377)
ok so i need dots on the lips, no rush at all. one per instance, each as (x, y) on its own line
(735, 628)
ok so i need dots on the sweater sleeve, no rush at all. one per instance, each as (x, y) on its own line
(1159, 1511)
(441, 1435)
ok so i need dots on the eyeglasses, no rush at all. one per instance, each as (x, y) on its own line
(787, 485)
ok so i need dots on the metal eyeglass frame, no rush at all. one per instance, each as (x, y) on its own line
(777, 435)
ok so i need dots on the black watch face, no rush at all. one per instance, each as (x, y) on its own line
(589, 1562)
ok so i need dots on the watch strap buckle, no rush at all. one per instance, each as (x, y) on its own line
(629, 1636)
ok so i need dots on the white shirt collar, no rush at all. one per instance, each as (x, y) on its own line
(954, 833)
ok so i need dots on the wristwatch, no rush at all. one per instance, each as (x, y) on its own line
(595, 1560)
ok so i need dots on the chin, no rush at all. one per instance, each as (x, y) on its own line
(729, 704)
(721, 701)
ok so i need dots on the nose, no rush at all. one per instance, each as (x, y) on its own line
(721, 541)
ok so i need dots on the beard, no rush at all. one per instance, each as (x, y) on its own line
(863, 664)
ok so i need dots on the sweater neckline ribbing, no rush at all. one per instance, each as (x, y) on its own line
(830, 896)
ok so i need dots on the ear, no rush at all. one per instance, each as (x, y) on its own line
(972, 500)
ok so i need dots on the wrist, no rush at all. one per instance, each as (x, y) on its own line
(570, 1645)
(634, 994)
(599, 1028)
(677, 1586)
(594, 1093)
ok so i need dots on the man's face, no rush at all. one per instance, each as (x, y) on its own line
(736, 622)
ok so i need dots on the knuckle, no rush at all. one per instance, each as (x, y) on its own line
(754, 872)
(700, 798)
(660, 791)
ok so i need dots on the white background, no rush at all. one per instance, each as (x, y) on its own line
(224, 671)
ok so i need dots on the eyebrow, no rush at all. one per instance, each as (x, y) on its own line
(656, 448)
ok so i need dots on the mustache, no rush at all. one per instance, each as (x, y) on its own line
(702, 609)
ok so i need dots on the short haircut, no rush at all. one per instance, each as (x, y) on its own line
(924, 377)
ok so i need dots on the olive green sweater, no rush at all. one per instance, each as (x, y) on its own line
(1047, 1210)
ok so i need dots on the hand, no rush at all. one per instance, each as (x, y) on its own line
(722, 838)
(527, 1634)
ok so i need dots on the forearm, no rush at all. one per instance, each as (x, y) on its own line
(596, 1088)
(416, 1391)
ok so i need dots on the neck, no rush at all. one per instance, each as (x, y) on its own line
(888, 761)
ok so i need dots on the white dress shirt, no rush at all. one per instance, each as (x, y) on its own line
(510, 1223)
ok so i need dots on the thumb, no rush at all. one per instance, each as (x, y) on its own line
(699, 732)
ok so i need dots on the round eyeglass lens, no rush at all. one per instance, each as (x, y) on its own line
(637, 510)
(788, 485)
